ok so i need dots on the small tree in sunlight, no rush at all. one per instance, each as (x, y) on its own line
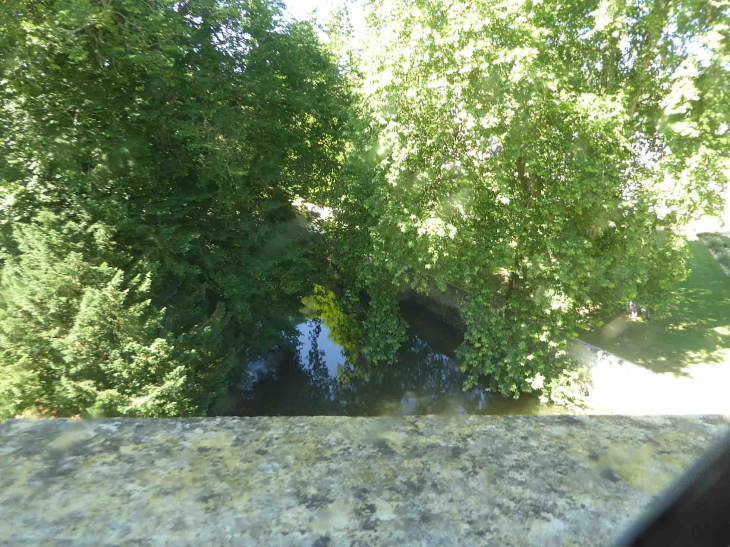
(77, 337)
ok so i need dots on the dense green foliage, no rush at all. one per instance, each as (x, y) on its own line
(527, 153)
(76, 337)
(149, 156)
(537, 158)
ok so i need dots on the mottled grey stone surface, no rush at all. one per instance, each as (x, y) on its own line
(516, 480)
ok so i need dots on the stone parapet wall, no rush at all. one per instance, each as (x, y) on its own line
(467, 480)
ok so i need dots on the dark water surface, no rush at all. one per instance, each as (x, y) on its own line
(317, 379)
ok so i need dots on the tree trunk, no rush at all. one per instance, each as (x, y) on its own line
(656, 23)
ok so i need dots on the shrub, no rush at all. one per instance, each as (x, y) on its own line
(724, 259)
(716, 244)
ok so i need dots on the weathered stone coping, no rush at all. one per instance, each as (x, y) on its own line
(507, 481)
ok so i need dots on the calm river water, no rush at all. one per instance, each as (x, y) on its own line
(317, 379)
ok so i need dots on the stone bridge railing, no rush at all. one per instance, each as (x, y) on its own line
(516, 480)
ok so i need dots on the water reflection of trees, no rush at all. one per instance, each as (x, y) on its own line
(299, 383)
(419, 379)
(425, 379)
(289, 384)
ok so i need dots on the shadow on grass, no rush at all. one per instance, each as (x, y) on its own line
(696, 332)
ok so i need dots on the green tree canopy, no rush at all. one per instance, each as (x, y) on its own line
(76, 337)
(184, 131)
(527, 152)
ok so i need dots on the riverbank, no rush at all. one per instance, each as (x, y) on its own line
(680, 364)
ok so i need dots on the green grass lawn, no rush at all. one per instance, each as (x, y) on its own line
(696, 333)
